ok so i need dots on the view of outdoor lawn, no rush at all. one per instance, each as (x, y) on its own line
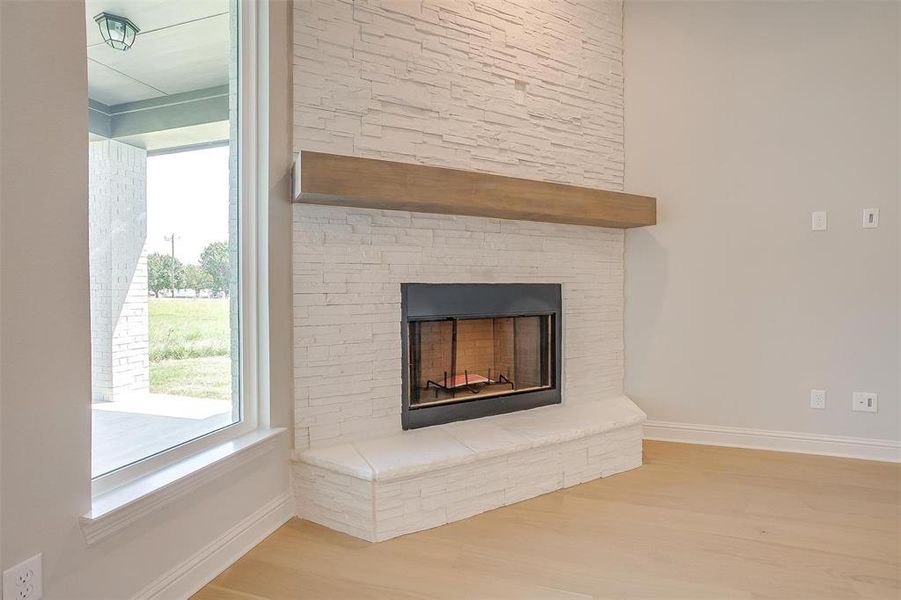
(190, 330)
(189, 347)
(189, 274)
(163, 227)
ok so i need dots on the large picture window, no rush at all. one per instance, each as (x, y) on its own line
(166, 222)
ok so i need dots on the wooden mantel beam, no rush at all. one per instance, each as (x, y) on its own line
(370, 183)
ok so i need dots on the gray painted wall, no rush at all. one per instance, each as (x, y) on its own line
(45, 328)
(742, 118)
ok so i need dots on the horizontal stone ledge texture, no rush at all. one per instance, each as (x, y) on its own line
(381, 488)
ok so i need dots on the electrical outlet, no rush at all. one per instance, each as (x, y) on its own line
(818, 399)
(864, 402)
(24, 581)
(818, 220)
(870, 218)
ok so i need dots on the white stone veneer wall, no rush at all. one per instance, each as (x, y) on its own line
(521, 88)
(380, 510)
(348, 267)
(118, 229)
(515, 87)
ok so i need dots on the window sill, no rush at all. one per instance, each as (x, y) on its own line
(117, 508)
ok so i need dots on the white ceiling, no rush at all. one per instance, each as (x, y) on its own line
(193, 135)
(183, 45)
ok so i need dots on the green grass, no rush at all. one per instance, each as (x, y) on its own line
(206, 377)
(188, 328)
(189, 347)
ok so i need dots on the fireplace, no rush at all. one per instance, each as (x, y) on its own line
(474, 350)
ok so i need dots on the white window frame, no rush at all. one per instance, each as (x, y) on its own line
(253, 156)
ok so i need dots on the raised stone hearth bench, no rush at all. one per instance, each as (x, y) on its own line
(385, 487)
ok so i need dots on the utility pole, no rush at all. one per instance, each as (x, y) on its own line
(171, 238)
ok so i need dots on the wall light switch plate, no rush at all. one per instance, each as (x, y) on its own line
(870, 218)
(818, 220)
(24, 581)
(818, 399)
(864, 402)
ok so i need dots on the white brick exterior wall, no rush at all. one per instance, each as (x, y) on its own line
(118, 229)
(529, 89)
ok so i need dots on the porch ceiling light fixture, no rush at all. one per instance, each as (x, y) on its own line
(118, 32)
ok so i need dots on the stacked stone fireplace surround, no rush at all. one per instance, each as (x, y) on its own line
(516, 88)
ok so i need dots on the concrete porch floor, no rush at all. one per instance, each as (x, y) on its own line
(139, 425)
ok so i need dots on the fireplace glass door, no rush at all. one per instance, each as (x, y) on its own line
(463, 359)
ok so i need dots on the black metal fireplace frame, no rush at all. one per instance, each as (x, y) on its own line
(431, 301)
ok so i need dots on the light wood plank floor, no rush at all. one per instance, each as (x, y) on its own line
(693, 522)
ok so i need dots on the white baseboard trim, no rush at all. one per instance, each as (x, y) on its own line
(782, 441)
(188, 577)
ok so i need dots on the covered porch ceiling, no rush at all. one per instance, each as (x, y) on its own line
(171, 88)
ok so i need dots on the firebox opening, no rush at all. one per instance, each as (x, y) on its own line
(476, 350)
(458, 360)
